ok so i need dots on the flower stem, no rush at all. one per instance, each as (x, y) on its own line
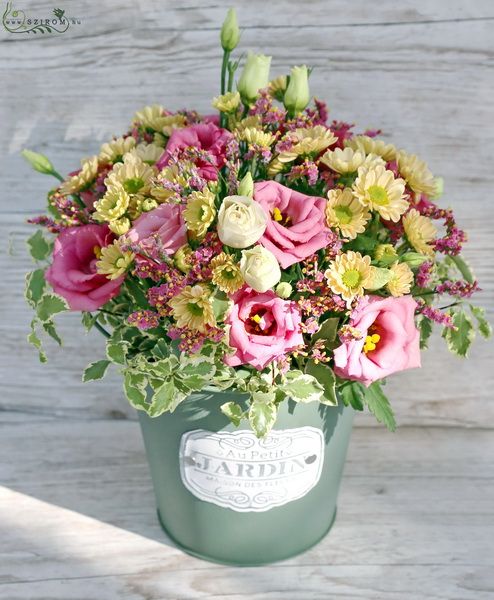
(102, 330)
(224, 68)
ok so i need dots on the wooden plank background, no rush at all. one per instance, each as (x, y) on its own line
(416, 511)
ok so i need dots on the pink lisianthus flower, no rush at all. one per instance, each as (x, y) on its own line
(73, 274)
(398, 346)
(166, 223)
(296, 223)
(263, 327)
(204, 136)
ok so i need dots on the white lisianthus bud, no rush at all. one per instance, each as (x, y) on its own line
(246, 186)
(255, 76)
(230, 33)
(284, 290)
(297, 93)
(259, 268)
(39, 162)
(241, 221)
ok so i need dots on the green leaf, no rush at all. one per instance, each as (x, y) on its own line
(302, 387)
(95, 370)
(137, 293)
(165, 398)
(484, 326)
(33, 339)
(326, 378)
(35, 287)
(135, 390)
(463, 267)
(327, 331)
(49, 305)
(262, 417)
(352, 394)
(49, 327)
(88, 320)
(425, 328)
(39, 248)
(362, 243)
(461, 337)
(379, 405)
(117, 352)
(221, 304)
(379, 278)
(39, 162)
(233, 411)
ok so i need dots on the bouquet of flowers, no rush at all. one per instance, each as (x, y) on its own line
(262, 249)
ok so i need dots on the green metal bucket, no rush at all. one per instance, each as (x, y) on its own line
(226, 496)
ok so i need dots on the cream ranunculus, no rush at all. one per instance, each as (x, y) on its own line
(241, 221)
(260, 269)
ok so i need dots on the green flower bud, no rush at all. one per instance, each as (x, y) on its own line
(284, 290)
(180, 258)
(148, 204)
(38, 162)
(297, 93)
(439, 181)
(385, 254)
(414, 259)
(230, 33)
(246, 186)
(255, 76)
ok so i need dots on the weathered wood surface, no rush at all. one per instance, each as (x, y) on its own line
(77, 521)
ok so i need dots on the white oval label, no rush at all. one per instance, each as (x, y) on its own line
(237, 470)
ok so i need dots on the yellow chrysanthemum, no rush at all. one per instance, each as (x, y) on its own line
(170, 174)
(346, 213)
(251, 121)
(377, 189)
(370, 145)
(349, 274)
(401, 279)
(277, 87)
(114, 151)
(120, 226)
(312, 140)
(385, 253)
(139, 204)
(113, 205)
(181, 258)
(420, 231)
(113, 262)
(133, 175)
(227, 103)
(148, 153)
(348, 160)
(226, 273)
(192, 308)
(275, 167)
(200, 211)
(154, 117)
(416, 173)
(253, 135)
(86, 175)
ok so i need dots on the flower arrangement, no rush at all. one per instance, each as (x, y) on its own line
(263, 249)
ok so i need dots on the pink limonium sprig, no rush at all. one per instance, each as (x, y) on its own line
(144, 319)
(434, 314)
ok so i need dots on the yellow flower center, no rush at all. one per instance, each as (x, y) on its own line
(277, 216)
(256, 319)
(97, 252)
(371, 342)
(132, 186)
(343, 214)
(351, 278)
(378, 195)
